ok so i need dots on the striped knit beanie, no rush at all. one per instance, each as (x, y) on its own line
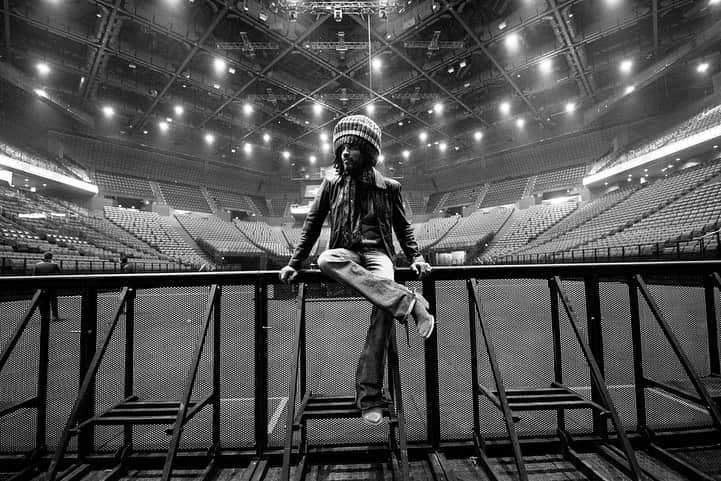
(360, 131)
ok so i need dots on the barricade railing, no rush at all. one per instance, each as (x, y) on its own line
(446, 294)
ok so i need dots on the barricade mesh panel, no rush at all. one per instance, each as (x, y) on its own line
(168, 326)
(413, 377)
(576, 372)
(454, 360)
(18, 379)
(683, 309)
(237, 365)
(517, 313)
(109, 386)
(618, 349)
(63, 368)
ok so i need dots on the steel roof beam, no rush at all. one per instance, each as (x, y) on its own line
(6, 23)
(576, 64)
(495, 62)
(209, 30)
(110, 27)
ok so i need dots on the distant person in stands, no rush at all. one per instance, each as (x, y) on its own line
(364, 208)
(125, 266)
(47, 267)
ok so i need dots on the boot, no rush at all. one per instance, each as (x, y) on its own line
(425, 322)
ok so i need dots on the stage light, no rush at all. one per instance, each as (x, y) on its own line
(232, 150)
(451, 69)
(406, 154)
(477, 135)
(266, 138)
(512, 41)
(702, 67)
(629, 89)
(286, 155)
(502, 25)
(625, 66)
(520, 122)
(108, 111)
(323, 137)
(163, 126)
(312, 159)
(505, 108)
(231, 70)
(545, 65)
(209, 138)
(41, 93)
(443, 146)
(43, 68)
(376, 63)
(382, 13)
(462, 64)
(216, 86)
(168, 119)
(247, 148)
(570, 107)
(370, 109)
(178, 110)
(317, 108)
(325, 147)
(219, 65)
(337, 14)
(423, 136)
(438, 107)
(247, 109)
(430, 111)
(145, 132)
(381, 158)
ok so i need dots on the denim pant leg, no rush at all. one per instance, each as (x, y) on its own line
(350, 268)
(369, 374)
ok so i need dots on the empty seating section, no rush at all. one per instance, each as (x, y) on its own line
(428, 233)
(222, 236)
(559, 179)
(184, 197)
(264, 236)
(30, 156)
(702, 121)
(462, 197)
(632, 209)
(111, 156)
(474, 228)
(528, 224)
(260, 203)
(156, 231)
(414, 202)
(278, 205)
(434, 201)
(504, 192)
(231, 200)
(124, 185)
(688, 217)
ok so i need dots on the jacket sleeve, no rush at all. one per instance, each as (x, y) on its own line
(312, 225)
(402, 227)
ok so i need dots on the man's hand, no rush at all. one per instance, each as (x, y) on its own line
(421, 268)
(288, 274)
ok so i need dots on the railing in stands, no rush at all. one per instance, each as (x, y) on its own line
(23, 267)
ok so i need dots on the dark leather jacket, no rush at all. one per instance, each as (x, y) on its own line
(391, 215)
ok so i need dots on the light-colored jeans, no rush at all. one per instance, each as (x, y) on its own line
(370, 272)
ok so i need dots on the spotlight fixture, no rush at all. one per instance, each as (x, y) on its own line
(625, 66)
(702, 67)
(163, 126)
(512, 40)
(293, 14)
(178, 110)
(41, 93)
(247, 148)
(317, 108)
(312, 159)
(323, 137)
(570, 107)
(43, 68)
(209, 138)
(266, 138)
(463, 64)
(520, 122)
(502, 25)
(443, 146)
(451, 69)
(477, 135)
(337, 14)
(325, 147)
(377, 63)
(545, 65)
(108, 111)
(406, 154)
(505, 108)
(630, 89)
(381, 158)
(383, 13)
(247, 109)
(219, 65)
(423, 136)
(286, 155)
(438, 107)
(370, 109)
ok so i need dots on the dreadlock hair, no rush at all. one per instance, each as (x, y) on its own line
(369, 155)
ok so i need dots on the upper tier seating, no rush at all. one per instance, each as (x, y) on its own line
(184, 197)
(124, 186)
(39, 159)
(234, 201)
(414, 202)
(278, 206)
(470, 230)
(690, 216)
(266, 237)
(632, 209)
(559, 179)
(260, 203)
(428, 233)
(527, 224)
(434, 201)
(223, 236)
(461, 197)
(156, 231)
(504, 192)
